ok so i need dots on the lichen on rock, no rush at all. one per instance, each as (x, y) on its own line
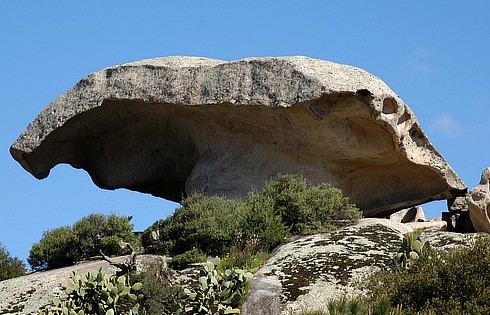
(309, 272)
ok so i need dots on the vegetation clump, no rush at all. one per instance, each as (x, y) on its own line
(57, 248)
(98, 294)
(216, 225)
(218, 292)
(64, 246)
(452, 282)
(160, 295)
(10, 267)
(186, 259)
(412, 248)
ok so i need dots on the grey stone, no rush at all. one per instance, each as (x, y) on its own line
(171, 126)
(431, 225)
(309, 272)
(398, 216)
(28, 294)
(479, 203)
(458, 204)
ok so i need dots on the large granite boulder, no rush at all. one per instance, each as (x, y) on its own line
(170, 126)
(309, 272)
(479, 203)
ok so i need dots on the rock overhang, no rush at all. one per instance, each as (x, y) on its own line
(170, 126)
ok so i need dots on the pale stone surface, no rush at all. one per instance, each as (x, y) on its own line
(398, 216)
(309, 272)
(431, 225)
(28, 294)
(479, 203)
(170, 126)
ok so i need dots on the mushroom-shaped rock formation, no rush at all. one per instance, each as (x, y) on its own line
(170, 126)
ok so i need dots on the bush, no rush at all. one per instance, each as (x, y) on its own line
(259, 222)
(57, 248)
(98, 232)
(308, 209)
(10, 267)
(90, 231)
(184, 260)
(244, 259)
(454, 282)
(262, 228)
(160, 295)
(357, 306)
(209, 224)
(65, 246)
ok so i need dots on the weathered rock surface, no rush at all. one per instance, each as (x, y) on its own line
(309, 272)
(479, 203)
(174, 125)
(28, 294)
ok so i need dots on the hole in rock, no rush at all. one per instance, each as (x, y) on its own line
(417, 136)
(389, 106)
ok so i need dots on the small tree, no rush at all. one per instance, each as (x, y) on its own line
(10, 267)
(94, 233)
(97, 232)
(57, 248)
(90, 231)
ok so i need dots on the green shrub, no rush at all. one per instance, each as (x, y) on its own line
(10, 267)
(160, 237)
(208, 223)
(262, 228)
(308, 209)
(184, 260)
(454, 282)
(259, 222)
(65, 246)
(97, 232)
(357, 306)
(98, 294)
(89, 231)
(57, 248)
(244, 259)
(160, 295)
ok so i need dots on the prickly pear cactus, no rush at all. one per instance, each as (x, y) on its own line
(411, 249)
(99, 294)
(218, 292)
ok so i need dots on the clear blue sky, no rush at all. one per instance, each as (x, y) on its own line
(434, 54)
